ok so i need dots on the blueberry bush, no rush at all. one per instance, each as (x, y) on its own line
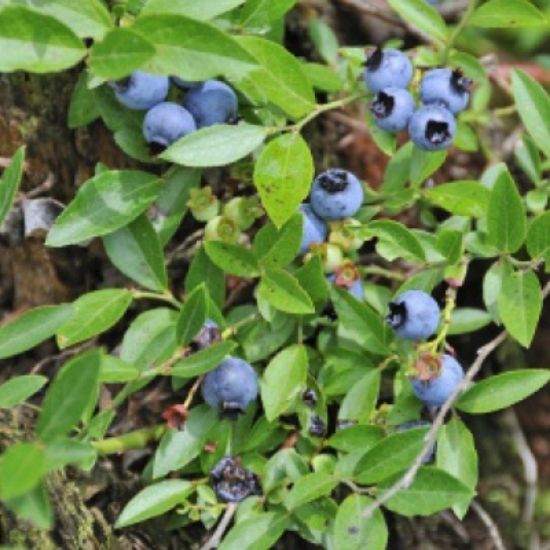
(311, 364)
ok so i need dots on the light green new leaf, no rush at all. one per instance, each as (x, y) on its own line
(533, 104)
(400, 237)
(191, 8)
(283, 291)
(93, 313)
(508, 13)
(308, 488)
(119, 53)
(520, 305)
(463, 198)
(538, 238)
(32, 328)
(259, 532)
(216, 145)
(68, 395)
(22, 466)
(506, 221)
(136, 251)
(18, 389)
(421, 15)
(283, 381)
(154, 501)
(232, 259)
(9, 183)
(283, 174)
(83, 108)
(192, 315)
(359, 402)
(103, 204)
(500, 391)
(30, 41)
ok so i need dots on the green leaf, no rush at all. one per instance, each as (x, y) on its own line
(19, 389)
(422, 16)
(277, 248)
(393, 454)
(36, 43)
(468, 319)
(119, 53)
(103, 204)
(283, 291)
(506, 222)
(356, 439)
(34, 507)
(93, 313)
(322, 77)
(312, 279)
(259, 14)
(86, 19)
(113, 370)
(431, 491)
(463, 198)
(507, 14)
(352, 532)
(500, 391)
(179, 447)
(520, 305)
(22, 466)
(424, 164)
(257, 532)
(360, 401)
(538, 238)
(9, 183)
(203, 270)
(207, 50)
(283, 380)
(456, 454)
(324, 39)
(232, 259)
(191, 8)
(280, 78)
(450, 244)
(216, 145)
(154, 501)
(136, 251)
(533, 105)
(360, 322)
(32, 328)
(308, 488)
(400, 237)
(527, 156)
(192, 315)
(83, 108)
(68, 395)
(62, 452)
(203, 360)
(283, 175)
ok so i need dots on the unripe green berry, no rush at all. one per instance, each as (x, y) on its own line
(244, 210)
(222, 228)
(204, 205)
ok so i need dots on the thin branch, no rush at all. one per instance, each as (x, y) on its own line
(215, 539)
(406, 480)
(489, 523)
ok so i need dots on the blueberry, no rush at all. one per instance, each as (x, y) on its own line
(392, 109)
(387, 69)
(309, 397)
(355, 288)
(450, 88)
(435, 391)
(429, 455)
(336, 194)
(230, 387)
(140, 90)
(414, 315)
(232, 482)
(432, 128)
(212, 102)
(317, 427)
(314, 230)
(208, 335)
(165, 123)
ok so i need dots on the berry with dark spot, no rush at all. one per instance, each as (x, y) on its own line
(208, 335)
(336, 194)
(448, 87)
(432, 128)
(232, 482)
(387, 68)
(309, 397)
(317, 427)
(392, 109)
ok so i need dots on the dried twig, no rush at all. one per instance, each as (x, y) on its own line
(406, 480)
(489, 523)
(215, 539)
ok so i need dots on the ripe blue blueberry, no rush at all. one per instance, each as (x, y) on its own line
(314, 230)
(230, 387)
(392, 109)
(432, 128)
(140, 90)
(387, 69)
(336, 194)
(212, 102)
(450, 88)
(414, 315)
(208, 335)
(429, 455)
(165, 123)
(435, 391)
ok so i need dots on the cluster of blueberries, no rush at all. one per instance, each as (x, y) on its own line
(336, 194)
(204, 104)
(444, 93)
